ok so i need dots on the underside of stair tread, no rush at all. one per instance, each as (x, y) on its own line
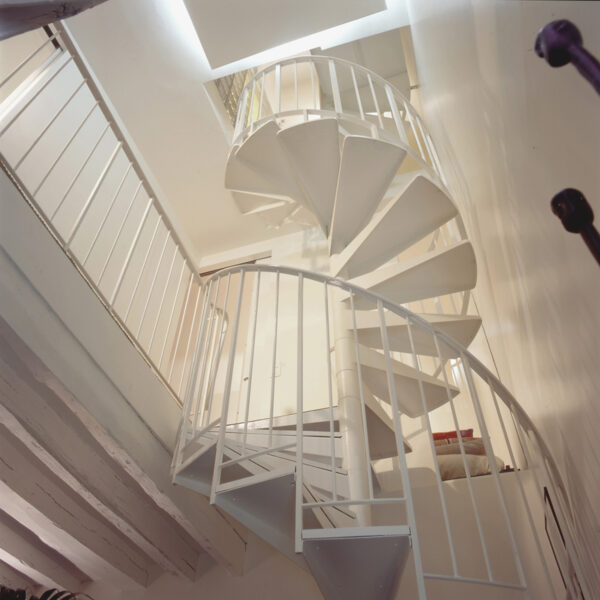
(461, 328)
(313, 420)
(441, 271)
(406, 383)
(418, 209)
(356, 563)
(249, 204)
(313, 151)
(367, 167)
(258, 166)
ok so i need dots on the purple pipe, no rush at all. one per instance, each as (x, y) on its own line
(560, 43)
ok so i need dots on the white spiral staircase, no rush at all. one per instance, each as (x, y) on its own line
(305, 385)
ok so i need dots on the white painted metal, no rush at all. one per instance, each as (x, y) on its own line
(67, 61)
(390, 232)
(275, 444)
(314, 151)
(366, 170)
(435, 273)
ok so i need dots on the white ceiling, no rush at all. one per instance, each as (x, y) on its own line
(230, 30)
(148, 59)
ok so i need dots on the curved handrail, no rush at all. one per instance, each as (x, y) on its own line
(479, 367)
(536, 454)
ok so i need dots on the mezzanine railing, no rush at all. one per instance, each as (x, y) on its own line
(64, 148)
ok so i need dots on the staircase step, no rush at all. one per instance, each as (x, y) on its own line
(442, 271)
(255, 203)
(313, 152)
(258, 166)
(357, 563)
(462, 328)
(316, 446)
(380, 427)
(265, 504)
(418, 209)
(313, 420)
(366, 170)
(406, 381)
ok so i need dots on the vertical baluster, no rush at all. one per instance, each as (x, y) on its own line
(375, 101)
(357, 92)
(182, 322)
(299, 414)
(226, 395)
(274, 361)
(143, 267)
(410, 510)
(190, 386)
(48, 125)
(172, 312)
(26, 60)
(296, 83)
(76, 177)
(313, 87)
(251, 365)
(487, 442)
(396, 114)
(106, 214)
(90, 199)
(187, 346)
(262, 95)
(132, 246)
(278, 88)
(409, 118)
(241, 116)
(251, 113)
(162, 299)
(330, 390)
(36, 93)
(65, 147)
(432, 447)
(200, 401)
(337, 100)
(362, 397)
(218, 343)
(151, 288)
(518, 475)
(117, 237)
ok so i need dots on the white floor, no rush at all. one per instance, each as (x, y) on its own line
(518, 131)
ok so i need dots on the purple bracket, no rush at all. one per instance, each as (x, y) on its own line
(560, 43)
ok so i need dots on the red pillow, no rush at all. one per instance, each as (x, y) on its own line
(445, 435)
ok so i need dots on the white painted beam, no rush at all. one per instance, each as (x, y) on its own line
(11, 578)
(60, 440)
(25, 552)
(36, 498)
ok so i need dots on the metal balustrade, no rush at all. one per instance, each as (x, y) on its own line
(73, 163)
(312, 87)
(279, 356)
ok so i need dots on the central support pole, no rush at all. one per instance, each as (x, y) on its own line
(350, 412)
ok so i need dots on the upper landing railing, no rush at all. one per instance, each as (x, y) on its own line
(65, 149)
(312, 87)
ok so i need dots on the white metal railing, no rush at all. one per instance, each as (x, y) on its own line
(314, 87)
(73, 163)
(283, 354)
(309, 87)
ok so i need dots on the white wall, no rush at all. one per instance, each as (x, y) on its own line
(512, 132)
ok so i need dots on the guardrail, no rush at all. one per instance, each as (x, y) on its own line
(292, 338)
(64, 148)
(319, 87)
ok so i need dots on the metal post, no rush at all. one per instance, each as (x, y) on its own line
(350, 413)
